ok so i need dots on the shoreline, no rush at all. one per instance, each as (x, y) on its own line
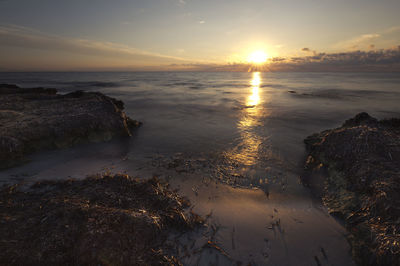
(272, 200)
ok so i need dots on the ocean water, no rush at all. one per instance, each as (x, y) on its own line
(243, 131)
(251, 121)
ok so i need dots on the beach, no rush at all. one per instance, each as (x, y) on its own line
(230, 142)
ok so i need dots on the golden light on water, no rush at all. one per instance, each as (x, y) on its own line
(254, 98)
(246, 151)
(256, 80)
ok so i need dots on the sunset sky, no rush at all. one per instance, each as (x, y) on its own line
(197, 34)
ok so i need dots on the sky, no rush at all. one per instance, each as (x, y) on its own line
(296, 35)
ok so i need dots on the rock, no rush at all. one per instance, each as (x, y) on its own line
(361, 162)
(37, 118)
(101, 220)
(361, 119)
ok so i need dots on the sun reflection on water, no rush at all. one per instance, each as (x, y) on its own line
(251, 160)
(254, 99)
(246, 152)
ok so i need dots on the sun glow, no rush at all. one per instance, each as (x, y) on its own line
(257, 57)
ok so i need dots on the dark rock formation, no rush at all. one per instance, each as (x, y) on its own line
(361, 160)
(102, 220)
(36, 118)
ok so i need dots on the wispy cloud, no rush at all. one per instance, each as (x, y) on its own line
(202, 22)
(358, 42)
(26, 38)
(43, 48)
(392, 30)
(381, 39)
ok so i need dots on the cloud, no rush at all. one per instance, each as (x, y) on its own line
(202, 22)
(278, 59)
(387, 60)
(308, 50)
(373, 60)
(181, 2)
(392, 30)
(23, 47)
(357, 42)
(14, 37)
(382, 39)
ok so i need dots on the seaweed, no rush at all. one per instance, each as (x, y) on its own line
(361, 165)
(100, 220)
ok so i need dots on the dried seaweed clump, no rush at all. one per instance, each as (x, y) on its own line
(362, 159)
(101, 220)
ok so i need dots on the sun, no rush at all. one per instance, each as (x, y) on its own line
(257, 57)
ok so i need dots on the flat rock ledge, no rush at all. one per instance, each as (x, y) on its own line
(101, 220)
(38, 118)
(361, 164)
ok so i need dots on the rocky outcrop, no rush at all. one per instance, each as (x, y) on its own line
(361, 160)
(37, 118)
(101, 220)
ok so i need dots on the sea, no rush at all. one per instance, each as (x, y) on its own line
(232, 142)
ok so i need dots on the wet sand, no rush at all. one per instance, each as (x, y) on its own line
(284, 226)
(281, 230)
